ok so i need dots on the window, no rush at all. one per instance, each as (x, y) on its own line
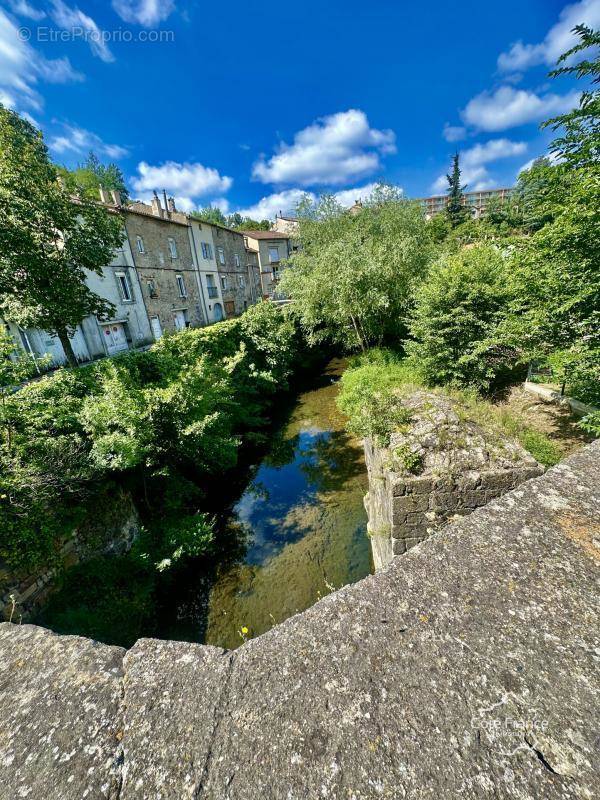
(124, 287)
(221, 254)
(210, 285)
(206, 250)
(172, 247)
(236, 260)
(241, 282)
(224, 283)
(273, 255)
(151, 286)
(140, 244)
(181, 285)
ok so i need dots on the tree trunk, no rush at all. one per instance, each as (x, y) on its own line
(358, 336)
(66, 345)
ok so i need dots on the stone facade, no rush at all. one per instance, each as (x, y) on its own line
(237, 277)
(264, 244)
(441, 467)
(160, 244)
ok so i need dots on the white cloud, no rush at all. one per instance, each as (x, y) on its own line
(333, 150)
(267, 207)
(68, 18)
(78, 140)
(24, 9)
(286, 201)
(508, 107)
(454, 133)
(144, 12)
(558, 40)
(185, 181)
(473, 162)
(21, 68)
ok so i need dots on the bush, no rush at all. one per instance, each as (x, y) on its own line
(457, 309)
(181, 408)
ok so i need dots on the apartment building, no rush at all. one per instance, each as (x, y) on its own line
(476, 201)
(238, 276)
(270, 249)
(159, 240)
(285, 224)
(203, 252)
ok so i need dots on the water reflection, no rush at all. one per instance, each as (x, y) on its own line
(303, 521)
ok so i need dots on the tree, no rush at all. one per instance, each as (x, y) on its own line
(89, 176)
(240, 223)
(456, 210)
(457, 311)
(352, 281)
(579, 144)
(15, 367)
(48, 238)
(210, 214)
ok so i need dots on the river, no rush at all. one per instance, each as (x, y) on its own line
(299, 528)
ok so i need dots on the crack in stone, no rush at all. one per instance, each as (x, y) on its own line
(120, 753)
(219, 714)
(540, 756)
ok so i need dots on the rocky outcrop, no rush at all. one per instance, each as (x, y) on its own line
(466, 669)
(441, 466)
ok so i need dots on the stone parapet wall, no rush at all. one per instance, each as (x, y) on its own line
(460, 468)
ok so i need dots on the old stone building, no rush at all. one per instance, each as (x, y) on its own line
(270, 249)
(160, 243)
(238, 276)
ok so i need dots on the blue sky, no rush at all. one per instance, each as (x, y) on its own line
(248, 105)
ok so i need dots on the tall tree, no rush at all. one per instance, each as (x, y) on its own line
(456, 210)
(210, 214)
(91, 174)
(579, 143)
(352, 281)
(48, 238)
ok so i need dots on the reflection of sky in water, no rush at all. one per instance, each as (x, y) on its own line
(276, 490)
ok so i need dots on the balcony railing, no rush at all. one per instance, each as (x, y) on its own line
(212, 291)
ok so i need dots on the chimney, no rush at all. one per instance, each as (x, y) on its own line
(171, 205)
(166, 201)
(116, 197)
(156, 206)
(103, 195)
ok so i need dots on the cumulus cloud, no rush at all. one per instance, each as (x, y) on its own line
(454, 133)
(507, 107)
(24, 9)
(473, 163)
(286, 201)
(68, 18)
(187, 181)
(78, 140)
(22, 67)
(144, 12)
(558, 40)
(333, 150)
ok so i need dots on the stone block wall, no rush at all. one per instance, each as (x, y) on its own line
(460, 468)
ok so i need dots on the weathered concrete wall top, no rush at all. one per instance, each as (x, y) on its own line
(467, 669)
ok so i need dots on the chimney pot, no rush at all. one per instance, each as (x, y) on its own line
(103, 195)
(116, 197)
(156, 206)
(171, 206)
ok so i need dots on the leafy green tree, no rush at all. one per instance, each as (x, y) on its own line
(15, 367)
(48, 238)
(579, 142)
(210, 214)
(89, 176)
(456, 210)
(352, 280)
(457, 310)
(240, 223)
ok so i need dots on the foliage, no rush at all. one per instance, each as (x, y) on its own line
(352, 280)
(457, 309)
(456, 210)
(373, 389)
(89, 176)
(48, 239)
(236, 221)
(579, 143)
(180, 409)
(211, 214)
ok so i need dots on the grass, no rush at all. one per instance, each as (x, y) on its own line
(376, 382)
